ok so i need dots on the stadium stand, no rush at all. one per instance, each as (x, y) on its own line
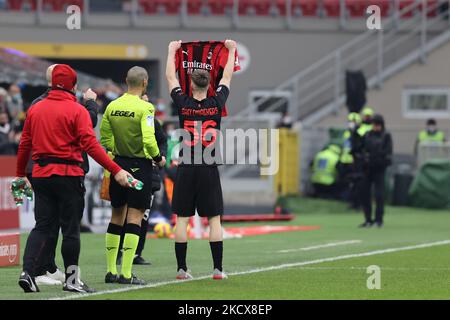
(299, 8)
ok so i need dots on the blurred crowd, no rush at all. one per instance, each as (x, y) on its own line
(12, 117)
(14, 105)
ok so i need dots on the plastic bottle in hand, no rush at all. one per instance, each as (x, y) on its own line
(135, 183)
(18, 190)
(29, 193)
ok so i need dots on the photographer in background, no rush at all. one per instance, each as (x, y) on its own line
(377, 156)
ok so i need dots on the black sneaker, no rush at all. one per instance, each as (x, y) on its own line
(78, 287)
(27, 283)
(138, 260)
(133, 280)
(379, 224)
(111, 278)
(366, 224)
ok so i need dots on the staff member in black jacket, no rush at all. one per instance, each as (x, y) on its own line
(48, 272)
(377, 156)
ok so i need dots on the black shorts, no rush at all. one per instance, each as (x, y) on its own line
(140, 169)
(197, 187)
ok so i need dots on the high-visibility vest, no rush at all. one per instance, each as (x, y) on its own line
(364, 128)
(324, 168)
(425, 136)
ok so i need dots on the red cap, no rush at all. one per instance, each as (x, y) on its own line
(63, 77)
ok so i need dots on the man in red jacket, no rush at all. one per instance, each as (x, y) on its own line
(56, 131)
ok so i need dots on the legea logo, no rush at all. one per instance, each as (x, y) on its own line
(373, 21)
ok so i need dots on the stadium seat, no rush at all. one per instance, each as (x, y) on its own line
(169, 7)
(220, 7)
(148, 6)
(255, 7)
(356, 8)
(403, 4)
(60, 5)
(19, 5)
(432, 7)
(194, 7)
(332, 8)
(14, 5)
(385, 6)
(307, 8)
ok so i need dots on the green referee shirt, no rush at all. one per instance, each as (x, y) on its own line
(128, 128)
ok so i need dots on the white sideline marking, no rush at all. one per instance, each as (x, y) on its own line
(271, 268)
(326, 245)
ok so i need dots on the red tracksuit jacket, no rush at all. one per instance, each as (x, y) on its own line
(59, 127)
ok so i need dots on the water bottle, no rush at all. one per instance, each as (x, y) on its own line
(29, 193)
(17, 190)
(135, 183)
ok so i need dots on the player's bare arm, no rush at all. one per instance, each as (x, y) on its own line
(172, 80)
(229, 68)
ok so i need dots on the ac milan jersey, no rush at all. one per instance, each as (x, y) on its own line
(200, 121)
(207, 55)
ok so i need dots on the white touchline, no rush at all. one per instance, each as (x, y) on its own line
(326, 245)
(271, 268)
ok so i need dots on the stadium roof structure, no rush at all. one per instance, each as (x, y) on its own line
(19, 67)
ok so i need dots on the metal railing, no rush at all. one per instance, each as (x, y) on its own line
(378, 53)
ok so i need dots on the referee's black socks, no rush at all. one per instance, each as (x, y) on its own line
(217, 253)
(180, 253)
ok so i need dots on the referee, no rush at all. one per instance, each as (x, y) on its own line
(197, 185)
(56, 131)
(128, 130)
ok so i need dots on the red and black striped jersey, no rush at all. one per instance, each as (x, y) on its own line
(208, 55)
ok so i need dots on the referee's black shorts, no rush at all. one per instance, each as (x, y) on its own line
(141, 169)
(197, 187)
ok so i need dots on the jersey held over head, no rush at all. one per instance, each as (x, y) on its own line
(211, 56)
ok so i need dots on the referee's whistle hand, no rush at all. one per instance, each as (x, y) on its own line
(122, 178)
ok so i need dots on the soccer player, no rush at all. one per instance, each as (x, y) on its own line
(197, 185)
(128, 131)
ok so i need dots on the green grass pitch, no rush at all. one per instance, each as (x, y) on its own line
(265, 271)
